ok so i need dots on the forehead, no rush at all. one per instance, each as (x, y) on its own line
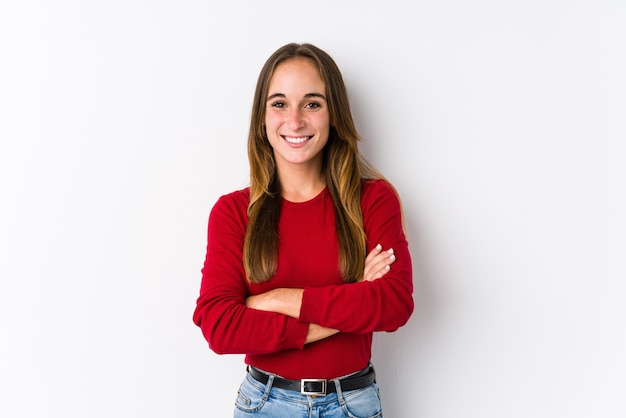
(295, 74)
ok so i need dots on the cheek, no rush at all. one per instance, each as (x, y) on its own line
(272, 119)
(324, 122)
(324, 126)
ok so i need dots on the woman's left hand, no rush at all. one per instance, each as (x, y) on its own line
(377, 263)
(288, 301)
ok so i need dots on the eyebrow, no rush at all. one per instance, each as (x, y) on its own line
(306, 96)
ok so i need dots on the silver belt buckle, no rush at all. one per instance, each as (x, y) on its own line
(322, 382)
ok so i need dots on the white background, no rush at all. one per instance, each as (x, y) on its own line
(501, 123)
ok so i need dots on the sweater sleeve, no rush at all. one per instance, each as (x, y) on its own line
(221, 313)
(384, 304)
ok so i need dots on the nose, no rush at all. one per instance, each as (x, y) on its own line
(295, 119)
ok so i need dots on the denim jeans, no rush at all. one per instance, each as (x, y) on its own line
(255, 399)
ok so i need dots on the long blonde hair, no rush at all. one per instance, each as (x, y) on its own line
(343, 169)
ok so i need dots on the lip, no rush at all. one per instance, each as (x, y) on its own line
(297, 141)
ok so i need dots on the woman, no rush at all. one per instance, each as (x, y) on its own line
(298, 271)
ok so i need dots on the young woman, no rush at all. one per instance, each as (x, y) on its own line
(305, 264)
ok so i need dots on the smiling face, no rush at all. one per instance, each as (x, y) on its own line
(297, 121)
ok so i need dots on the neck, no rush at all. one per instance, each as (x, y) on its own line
(300, 185)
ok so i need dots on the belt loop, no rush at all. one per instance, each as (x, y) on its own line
(268, 387)
(339, 391)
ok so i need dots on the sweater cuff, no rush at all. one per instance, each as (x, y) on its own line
(309, 310)
(298, 331)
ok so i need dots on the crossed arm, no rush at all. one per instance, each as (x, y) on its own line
(288, 301)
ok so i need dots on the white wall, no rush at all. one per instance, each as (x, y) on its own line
(502, 124)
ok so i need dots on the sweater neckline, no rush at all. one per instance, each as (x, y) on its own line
(311, 201)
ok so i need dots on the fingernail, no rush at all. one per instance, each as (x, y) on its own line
(390, 251)
(392, 257)
(379, 247)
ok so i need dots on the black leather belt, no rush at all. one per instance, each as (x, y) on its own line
(317, 387)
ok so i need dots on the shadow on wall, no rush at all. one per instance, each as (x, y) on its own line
(396, 356)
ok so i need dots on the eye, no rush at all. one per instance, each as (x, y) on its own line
(313, 105)
(278, 105)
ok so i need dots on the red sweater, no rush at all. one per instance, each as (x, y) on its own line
(308, 259)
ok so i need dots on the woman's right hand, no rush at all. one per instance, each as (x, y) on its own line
(377, 263)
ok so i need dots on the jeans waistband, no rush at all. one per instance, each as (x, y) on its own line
(320, 387)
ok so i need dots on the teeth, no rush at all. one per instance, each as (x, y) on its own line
(298, 140)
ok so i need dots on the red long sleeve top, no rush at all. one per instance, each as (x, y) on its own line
(307, 259)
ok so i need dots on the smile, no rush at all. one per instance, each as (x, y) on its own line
(297, 139)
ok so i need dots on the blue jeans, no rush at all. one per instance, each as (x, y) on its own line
(255, 399)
